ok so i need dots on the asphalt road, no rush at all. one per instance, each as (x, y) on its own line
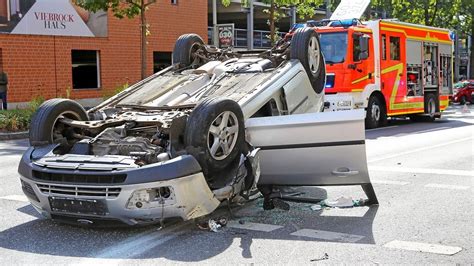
(422, 174)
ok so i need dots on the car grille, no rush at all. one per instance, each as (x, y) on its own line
(28, 190)
(79, 191)
(80, 178)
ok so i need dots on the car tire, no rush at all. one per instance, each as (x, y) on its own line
(463, 101)
(184, 49)
(376, 115)
(44, 124)
(306, 48)
(214, 143)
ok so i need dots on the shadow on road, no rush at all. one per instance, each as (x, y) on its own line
(45, 237)
(13, 147)
(402, 127)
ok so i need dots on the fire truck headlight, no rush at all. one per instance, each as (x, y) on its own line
(329, 81)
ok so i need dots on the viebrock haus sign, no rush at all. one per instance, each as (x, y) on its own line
(51, 17)
(54, 20)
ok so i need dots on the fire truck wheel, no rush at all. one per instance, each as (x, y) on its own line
(306, 48)
(430, 107)
(185, 49)
(376, 115)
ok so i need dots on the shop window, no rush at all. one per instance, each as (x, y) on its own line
(384, 47)
(161, 60)
(394, 48)
(85, 69)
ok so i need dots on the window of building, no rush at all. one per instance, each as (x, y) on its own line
(384, 47)
(161, 60)
(85, 69)
(174, 2)
(394, 48)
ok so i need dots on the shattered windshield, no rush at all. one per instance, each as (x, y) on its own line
(334, 46)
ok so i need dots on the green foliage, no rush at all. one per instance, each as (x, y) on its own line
(120, 8)
(109, 93)
(19, 119)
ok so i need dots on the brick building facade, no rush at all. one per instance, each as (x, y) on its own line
(43, 65)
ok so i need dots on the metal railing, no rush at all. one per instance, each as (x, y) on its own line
(261, 38)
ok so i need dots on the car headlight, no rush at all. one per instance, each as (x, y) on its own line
(151, 198)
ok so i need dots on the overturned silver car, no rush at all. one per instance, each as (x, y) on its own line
(215, 126)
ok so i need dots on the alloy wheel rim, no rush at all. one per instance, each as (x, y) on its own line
(313, 55)
(222, 135)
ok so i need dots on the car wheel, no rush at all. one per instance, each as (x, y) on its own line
(463, 100)
(376, 114)
(305, 47)
(45, 127)
(215, 134)
(185, 49)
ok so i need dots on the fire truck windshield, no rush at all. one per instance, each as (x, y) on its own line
(334, 46)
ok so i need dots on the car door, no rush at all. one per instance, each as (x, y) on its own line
(311, 149)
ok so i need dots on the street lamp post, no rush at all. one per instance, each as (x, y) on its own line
(250, 26)
(214, 23)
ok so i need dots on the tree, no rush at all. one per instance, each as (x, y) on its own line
(122, 9)
(275, 12)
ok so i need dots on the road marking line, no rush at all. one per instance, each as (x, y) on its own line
(389, 182)
(418, 150)
(345, 212)
(254, 226)
(447, 186)
(21, 198)
(423, 247)
(421, 170)
(430, 130)
(373, 129)
(327, 235)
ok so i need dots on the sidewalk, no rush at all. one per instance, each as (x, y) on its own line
(13, 135)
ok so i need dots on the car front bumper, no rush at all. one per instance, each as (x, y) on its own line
(146, 195)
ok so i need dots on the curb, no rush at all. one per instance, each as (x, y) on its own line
(14, 135)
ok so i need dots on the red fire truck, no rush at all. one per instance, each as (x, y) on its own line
(387, 67)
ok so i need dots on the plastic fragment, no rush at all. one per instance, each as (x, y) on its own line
(316, 207)
(341, 202)
(213, 226)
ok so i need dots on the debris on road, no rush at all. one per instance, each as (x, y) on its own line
(213, 225)
(341, 202)
(316, 207)
(324, 257)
